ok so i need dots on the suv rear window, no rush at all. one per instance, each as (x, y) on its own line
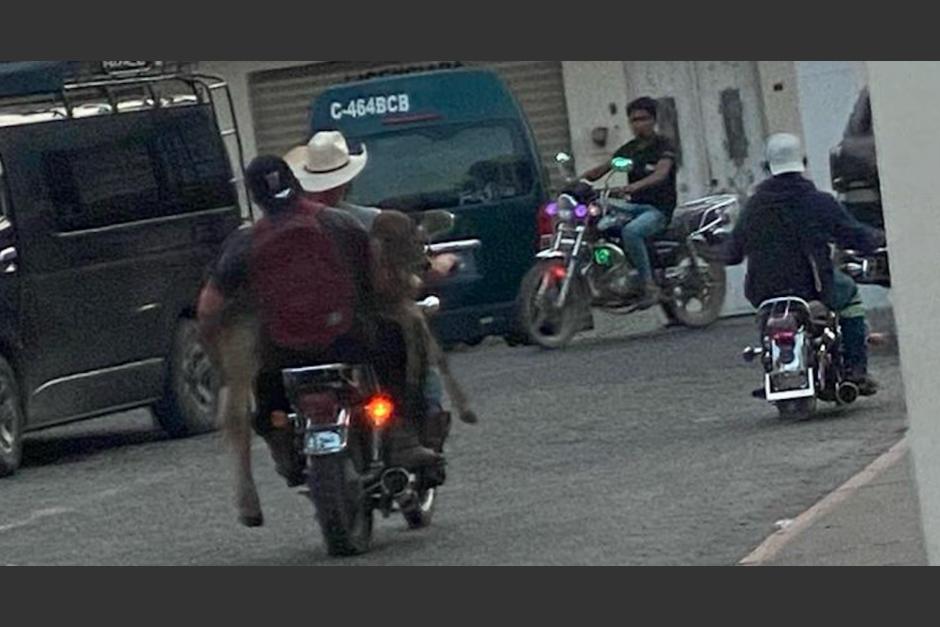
(173, 165)
(444, 166)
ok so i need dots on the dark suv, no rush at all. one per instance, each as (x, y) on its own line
(116, 191)
(853, 166)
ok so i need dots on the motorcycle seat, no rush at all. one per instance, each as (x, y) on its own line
(819, 314)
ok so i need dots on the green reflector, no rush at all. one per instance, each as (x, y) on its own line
(602, 256)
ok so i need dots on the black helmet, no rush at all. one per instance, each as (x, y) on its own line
(271, 182)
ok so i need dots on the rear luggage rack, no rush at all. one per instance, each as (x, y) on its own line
(44, 91)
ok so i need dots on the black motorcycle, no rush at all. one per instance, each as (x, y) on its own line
(585, 265)
(342, 418)
(801, 353)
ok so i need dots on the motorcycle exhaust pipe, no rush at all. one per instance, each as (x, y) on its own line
(395, 482)
(846, 393)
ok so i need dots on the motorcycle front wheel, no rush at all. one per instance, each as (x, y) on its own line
(544, 322)
(343, 508)
(697, 300)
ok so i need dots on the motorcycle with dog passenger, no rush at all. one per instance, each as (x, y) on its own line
(343, 421)
(584, 265)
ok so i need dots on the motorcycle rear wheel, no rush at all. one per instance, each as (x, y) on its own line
(710, 297)
(343, 508)
(796, 409)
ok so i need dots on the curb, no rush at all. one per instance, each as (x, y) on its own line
(772, 546)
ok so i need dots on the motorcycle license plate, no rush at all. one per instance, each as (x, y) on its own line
(323, 442)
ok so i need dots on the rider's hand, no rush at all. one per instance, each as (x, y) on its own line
(443, 265)
(619, 192)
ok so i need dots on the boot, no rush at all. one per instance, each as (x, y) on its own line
(651, 296)
(406, 450)
(855, 355)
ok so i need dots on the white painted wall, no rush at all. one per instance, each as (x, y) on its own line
(781, 97)
(591, 87)
(827, 92)
(907, 131)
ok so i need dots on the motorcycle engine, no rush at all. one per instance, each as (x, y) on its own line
(610, 273)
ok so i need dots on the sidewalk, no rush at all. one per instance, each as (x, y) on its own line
(872, 520)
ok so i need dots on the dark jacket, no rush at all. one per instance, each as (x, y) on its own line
(785, 223)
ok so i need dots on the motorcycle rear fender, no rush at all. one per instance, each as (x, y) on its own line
(551, 254)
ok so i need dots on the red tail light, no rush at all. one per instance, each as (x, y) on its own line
(786, 338)
(559, 272)
(379, 410)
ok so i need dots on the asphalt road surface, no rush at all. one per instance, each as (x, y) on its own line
(636, 445)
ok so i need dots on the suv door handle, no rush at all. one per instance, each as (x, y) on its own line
(8, 258)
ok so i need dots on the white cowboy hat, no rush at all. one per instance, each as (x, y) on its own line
(325, 162)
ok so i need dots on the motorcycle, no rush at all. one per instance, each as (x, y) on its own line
(342, 418)
(800, 352)
(584, 264)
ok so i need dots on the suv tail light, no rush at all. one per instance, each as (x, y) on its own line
(545, 226)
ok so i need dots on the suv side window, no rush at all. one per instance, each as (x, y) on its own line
(173, 166)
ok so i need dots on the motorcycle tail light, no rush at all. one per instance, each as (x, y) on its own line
(784, 338)
(559, 272)
(379, 410)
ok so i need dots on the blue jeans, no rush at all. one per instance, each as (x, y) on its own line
(647, 221)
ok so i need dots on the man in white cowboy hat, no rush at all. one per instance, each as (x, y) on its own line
(325, 167)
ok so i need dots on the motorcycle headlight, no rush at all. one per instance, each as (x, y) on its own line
(566, 202)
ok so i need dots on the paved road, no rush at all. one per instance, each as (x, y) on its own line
(638, 445)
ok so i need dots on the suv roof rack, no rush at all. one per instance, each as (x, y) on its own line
(36, 91)
(49, 91)
(399, 71)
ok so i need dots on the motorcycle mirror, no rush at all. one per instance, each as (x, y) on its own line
(621, 164)
(430, 305)
(565, 165)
